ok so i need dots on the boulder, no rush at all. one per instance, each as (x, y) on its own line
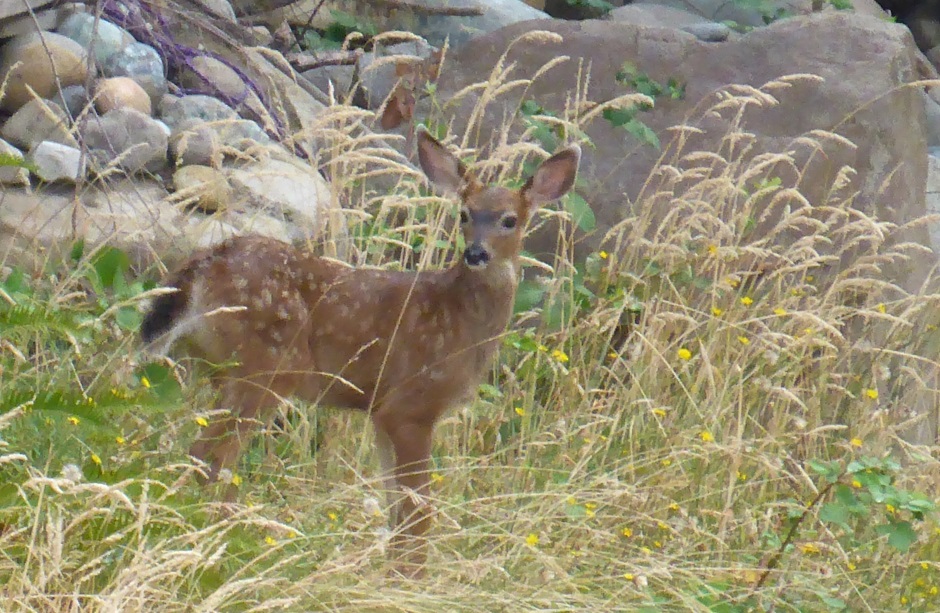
(125, 138)
(175, 110)
(36, 121)
(141, 63)
(73, 99)
(57, 162)
(104, 37)
(288, 190)
(863, 63)
(204, 185)
(120, 93)
(209, 74)
(34, 61)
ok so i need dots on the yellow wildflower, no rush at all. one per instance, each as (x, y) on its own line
(603, 255)
(744, 340)
(809, 548)
(674, 506)
(706, 436)
(532, 540)
(742, 476)
(925, 566)
(95, 458)
(627, 532)
(872, 393)
(236, 480)
(560, 355)
(119, 440)
(810, 278)
(145, 382)
(202, 422)
(613, 355)
(890, 508)
(717, 312)
(520, 411)
(437, 477)
(333, 516)
(712, 249)
(628, 576)
(685, 354)
(780, 312)
(73, 420)
(856, 442)
(850, 566)
(856, 484)
(882, 308)
(269, 540)
(666, 462)
(659, 412)
(747, 301)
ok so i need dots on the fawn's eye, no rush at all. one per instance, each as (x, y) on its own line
(509, 222)
(464, 216)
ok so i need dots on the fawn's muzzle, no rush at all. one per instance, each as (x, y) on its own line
(476, 256)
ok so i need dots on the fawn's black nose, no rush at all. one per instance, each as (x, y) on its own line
(476, 256)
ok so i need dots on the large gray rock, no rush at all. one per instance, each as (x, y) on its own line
(106, 38)
(125, 138)
(57, 162)
(141, 63)
(864, 63)
(288, 190)
(176, 111)
(36, 121)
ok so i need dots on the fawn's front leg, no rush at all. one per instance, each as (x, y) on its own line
(405, 450)
(220, 443)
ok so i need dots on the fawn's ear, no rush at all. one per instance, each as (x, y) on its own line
(554, 177)
(441, 166)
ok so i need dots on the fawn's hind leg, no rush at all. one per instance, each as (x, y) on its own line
(219, 444)
(405, 450)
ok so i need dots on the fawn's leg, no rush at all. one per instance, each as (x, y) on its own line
(220, 443)
(410, 517)
(386, 453)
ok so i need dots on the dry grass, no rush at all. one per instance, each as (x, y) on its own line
(648, 454)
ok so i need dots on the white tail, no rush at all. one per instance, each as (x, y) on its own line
(403, 346)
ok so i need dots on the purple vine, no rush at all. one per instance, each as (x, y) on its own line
(148, 26)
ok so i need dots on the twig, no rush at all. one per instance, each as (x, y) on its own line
(450, 11)
(307, 61)
(772, 563)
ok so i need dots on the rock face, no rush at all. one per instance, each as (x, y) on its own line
(862, 62)
(57, 162)
(41, 57)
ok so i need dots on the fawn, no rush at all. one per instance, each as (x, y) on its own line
(404, 346)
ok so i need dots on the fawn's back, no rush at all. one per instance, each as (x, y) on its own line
(346, 337)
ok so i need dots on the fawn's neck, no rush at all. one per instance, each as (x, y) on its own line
(489, 293)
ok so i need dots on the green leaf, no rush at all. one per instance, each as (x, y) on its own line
(580, 210)
(128, 318)
(834, 513)
(642, 132)
(901, 534)
(528, 296)
(109, 264)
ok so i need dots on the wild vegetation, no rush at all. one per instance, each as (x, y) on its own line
(668, 426)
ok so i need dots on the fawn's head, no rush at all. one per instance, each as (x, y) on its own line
(493, 218)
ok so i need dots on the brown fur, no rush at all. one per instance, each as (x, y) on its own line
(404, 346)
